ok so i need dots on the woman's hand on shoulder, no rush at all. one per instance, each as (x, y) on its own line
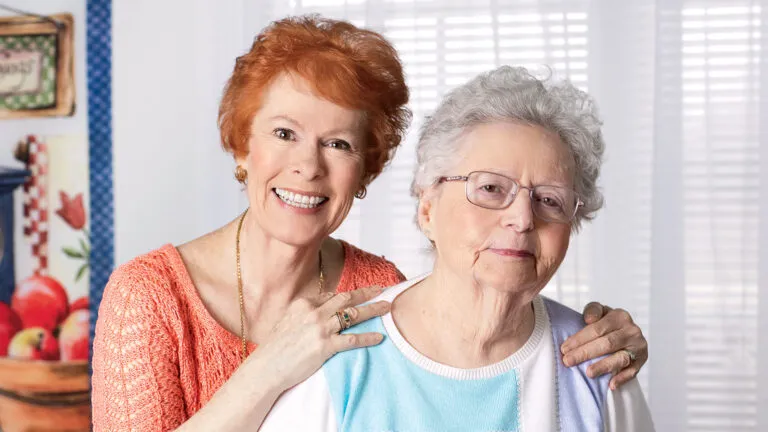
(308, 334)
(608, 331)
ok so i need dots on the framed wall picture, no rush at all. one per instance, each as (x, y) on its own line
(36, 66)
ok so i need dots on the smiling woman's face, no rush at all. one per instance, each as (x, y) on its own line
(305, 162)
(509, 249)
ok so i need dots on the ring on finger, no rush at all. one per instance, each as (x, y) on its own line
(341, 322)
(347, 318)
(631, 354)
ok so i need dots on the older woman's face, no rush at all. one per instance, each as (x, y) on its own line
(509, 249)
(304, 164)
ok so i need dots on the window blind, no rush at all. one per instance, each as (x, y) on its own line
(721, 49)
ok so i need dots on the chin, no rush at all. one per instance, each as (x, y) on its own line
(507, 285)
(508, 279)
(298, 237)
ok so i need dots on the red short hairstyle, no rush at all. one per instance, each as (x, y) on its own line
(349, 66)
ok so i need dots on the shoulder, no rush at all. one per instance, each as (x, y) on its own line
(565, 322)
(562, 318)
(144, 283)
(362, 269)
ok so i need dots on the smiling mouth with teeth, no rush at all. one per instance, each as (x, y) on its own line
(299, 200)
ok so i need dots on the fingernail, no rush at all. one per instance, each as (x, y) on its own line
(567, 361)
(612, 386)
(564, 348)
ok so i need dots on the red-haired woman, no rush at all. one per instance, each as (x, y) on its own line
(311, 115)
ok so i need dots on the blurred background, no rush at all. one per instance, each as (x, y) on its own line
(682, 85)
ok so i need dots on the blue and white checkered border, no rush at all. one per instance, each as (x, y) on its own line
(99, 46)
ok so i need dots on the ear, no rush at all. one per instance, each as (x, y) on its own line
(426, 213)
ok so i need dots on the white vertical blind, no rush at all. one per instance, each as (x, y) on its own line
(678, 83)
(721, 52)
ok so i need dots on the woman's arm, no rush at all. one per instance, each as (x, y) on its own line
(300, 343)
(608, 331)
(136, 367)
(241, 403)
(136, 374)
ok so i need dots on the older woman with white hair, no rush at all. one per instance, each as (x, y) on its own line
(507, 171)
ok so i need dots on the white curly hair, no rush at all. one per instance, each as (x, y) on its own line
(513, 94)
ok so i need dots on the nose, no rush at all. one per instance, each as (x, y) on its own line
(308, 160)
(519, 214)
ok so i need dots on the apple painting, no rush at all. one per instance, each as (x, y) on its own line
(73, 336)
(10, 324)
(34, 343)
(40, 301)
(81, 303)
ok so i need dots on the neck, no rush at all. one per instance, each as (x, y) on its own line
(275, 270)
(457, 321)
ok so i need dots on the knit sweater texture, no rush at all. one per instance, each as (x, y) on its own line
(159, 355)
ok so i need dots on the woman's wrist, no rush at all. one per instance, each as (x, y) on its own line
(262, 379)
(244, 400)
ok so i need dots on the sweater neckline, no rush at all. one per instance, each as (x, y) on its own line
(507, 364)
(196, 302)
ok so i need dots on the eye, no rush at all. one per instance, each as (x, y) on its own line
(550, 201)
(340, 144)
(491, 188)
(284, 134)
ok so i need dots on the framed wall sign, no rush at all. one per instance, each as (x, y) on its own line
(36, 66)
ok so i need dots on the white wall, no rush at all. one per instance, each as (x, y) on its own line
(171, 60)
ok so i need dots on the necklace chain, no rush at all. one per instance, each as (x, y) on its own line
(243, 339)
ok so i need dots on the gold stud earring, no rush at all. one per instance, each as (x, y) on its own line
(361, 193)
(241, 175)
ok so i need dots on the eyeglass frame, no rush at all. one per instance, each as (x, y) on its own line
(465, 178)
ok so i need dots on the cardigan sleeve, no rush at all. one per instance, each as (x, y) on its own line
(135, 363)
(627, 410)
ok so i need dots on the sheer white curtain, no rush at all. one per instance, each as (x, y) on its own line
(682, 240)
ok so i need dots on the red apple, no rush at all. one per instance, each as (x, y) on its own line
(81, 303)
(40, 301)
(73, 337)
(34, 343)
(10, 324)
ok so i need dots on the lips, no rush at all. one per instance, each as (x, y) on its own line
(516, 253)
(298, 199)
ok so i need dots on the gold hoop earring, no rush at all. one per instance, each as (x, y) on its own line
(361, 193)
(241, 175)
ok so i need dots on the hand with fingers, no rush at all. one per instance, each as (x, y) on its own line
(608, 331)
(309, 334)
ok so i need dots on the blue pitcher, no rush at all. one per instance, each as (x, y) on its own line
(10, 179)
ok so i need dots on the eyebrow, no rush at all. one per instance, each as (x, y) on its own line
(547, 182)
(286, 118)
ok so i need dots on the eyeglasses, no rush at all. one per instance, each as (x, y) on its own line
(495, 191)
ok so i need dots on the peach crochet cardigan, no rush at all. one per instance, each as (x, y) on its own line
(159, 356)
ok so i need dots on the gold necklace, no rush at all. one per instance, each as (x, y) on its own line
(243, 340)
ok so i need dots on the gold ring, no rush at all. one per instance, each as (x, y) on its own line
(341, 322)
(631, 354)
